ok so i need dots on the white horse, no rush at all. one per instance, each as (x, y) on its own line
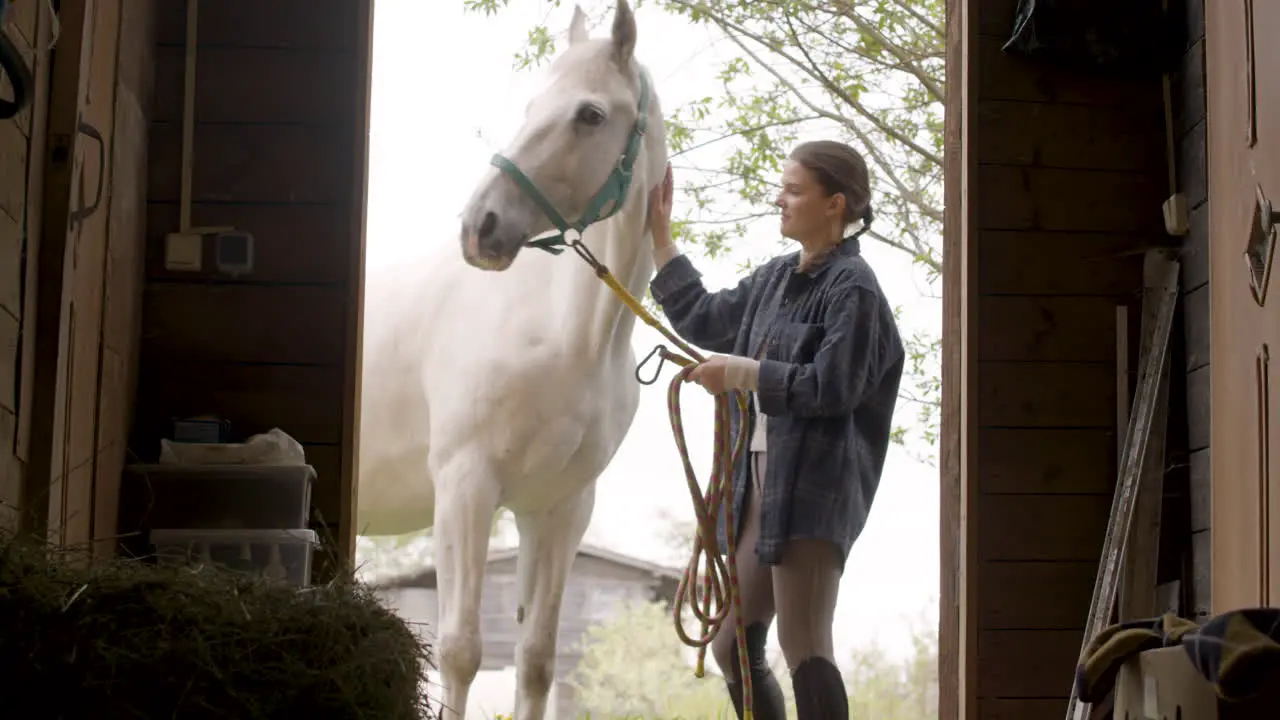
(515, 389)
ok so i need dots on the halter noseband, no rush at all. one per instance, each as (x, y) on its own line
(612, 194)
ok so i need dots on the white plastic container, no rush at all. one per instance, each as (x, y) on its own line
(275, 555)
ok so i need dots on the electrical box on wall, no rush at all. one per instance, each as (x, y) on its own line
(183, 251)
(233, 253)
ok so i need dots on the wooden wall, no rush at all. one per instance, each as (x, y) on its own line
(1190, 458)
(281, 113)
(1061, 183)
(21, 177)
(79, 280)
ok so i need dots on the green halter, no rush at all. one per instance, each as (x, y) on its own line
(612, 194)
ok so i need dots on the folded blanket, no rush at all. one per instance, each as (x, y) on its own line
(1235, 651)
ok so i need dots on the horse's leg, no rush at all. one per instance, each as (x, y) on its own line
(466, 500)
(548, 543)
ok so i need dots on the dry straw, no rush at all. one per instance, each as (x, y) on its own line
(127, 639)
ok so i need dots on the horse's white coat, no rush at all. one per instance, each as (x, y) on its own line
(513, 388)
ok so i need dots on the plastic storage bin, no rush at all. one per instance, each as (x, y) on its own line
(275, 555)
(216, 497)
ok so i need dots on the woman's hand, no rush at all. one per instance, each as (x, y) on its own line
(660, 211)
(710, 374)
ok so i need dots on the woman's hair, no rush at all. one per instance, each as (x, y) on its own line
(839, 169)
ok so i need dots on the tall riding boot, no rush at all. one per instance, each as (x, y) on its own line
(820, 691)
(767, 700)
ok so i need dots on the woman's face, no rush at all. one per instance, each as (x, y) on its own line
(808, 212)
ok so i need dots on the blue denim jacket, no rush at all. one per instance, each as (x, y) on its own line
(829, 381)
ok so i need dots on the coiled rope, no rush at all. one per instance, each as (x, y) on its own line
(709, 584)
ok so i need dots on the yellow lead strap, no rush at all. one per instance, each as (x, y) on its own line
(719, 578)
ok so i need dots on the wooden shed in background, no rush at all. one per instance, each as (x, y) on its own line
(1054, 190)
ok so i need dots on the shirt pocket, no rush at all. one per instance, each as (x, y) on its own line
(796, 342)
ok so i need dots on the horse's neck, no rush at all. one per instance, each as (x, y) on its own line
(595, 322)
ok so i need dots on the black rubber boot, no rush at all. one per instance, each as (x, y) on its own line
(820, 692)
(767, 700)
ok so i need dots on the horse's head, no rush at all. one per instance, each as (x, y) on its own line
(568, 165)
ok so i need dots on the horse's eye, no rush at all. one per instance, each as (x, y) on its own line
(590, 115)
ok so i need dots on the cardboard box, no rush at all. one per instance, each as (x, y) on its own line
(1162, 684)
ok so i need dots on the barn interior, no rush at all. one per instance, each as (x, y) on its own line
(193, 252)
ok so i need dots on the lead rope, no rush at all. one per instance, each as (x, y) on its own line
(719, 587)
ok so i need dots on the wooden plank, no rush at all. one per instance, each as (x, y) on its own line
(10, 477)
(1201, 487)
(955, 646)
(1160, 289)
(326, 495)
(1192, 157)
(1195, 327)
(994, 18)
(1023, 708)
(35, 182)
(1069, 136)
(113, 406)
(1188, 91)
(1021, 198)
(304, 401)
(1046, 461)
(1056, 263)
(1139, 573)
(23, 17)
(1026, 663)
(1195, 250)
(292, 24)
(107, 468)
(256, 85)
(48, 469)
(8, 363)
(358, 189)
(299, 324)
(1199, 415)
(1201, 574)
(252, 163)
(1009, 77)
(1065, 395)
(1046, 329)
(1035, 595)
(13, 169)
(10, 265)
(1043, 527)
(21, 121)
(292, 243)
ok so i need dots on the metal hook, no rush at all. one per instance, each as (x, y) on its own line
(661, 352)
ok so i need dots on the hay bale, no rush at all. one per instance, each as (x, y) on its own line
(126, 639)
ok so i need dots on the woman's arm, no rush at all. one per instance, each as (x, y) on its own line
(707, 319)
(844, 366)
(710, 320)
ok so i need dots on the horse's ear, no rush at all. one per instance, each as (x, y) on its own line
(624, 34)
(578, 26)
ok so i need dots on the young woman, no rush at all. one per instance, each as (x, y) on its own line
(812, 338)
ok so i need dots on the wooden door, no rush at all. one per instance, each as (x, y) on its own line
(81, 371)
(65, 369)
(1243, 95)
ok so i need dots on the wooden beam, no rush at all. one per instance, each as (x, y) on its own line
(1152, 367)
(1141, 559)
(358, 197)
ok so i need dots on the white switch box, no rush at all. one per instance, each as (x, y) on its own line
(183, 252)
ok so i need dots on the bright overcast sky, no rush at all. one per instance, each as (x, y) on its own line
(445, 95)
